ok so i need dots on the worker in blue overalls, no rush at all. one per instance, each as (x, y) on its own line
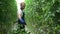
(21, 15)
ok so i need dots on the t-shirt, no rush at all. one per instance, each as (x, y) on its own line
(20, 12)
(22, 20)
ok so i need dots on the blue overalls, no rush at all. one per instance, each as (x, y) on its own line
(20, 20)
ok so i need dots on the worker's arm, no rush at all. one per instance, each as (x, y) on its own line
(19, 17)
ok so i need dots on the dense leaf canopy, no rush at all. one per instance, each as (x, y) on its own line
(43, 16)
(8, 14)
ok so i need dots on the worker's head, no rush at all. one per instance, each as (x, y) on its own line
(22, 5)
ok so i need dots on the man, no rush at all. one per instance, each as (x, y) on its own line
(21, 14)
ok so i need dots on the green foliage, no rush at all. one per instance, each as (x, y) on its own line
(8, 10)
(43, 16)
(8, 14)
(19, 30)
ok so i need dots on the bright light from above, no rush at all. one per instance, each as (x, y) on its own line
(19, 1)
